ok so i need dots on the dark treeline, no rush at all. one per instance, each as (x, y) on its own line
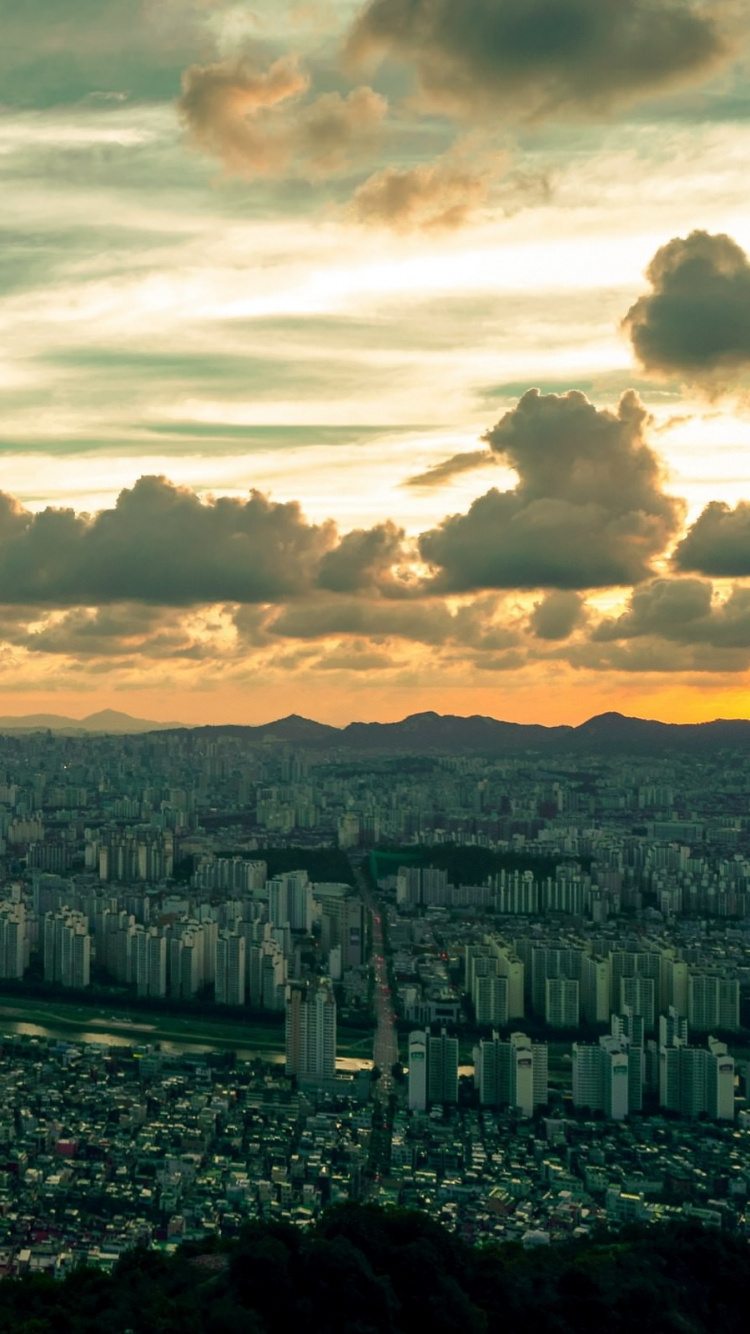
(466, 865)
(363, 1270)
(322, 864)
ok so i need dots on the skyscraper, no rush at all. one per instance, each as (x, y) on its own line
(418, 1071)
(442, 1068)
(512, 1073)
(310, 1031)
(230, 968)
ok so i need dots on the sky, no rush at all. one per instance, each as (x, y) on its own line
(363, 359)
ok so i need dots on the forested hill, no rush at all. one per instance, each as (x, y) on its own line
(364, 1270)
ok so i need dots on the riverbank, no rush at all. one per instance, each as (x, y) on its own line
(83, 1024)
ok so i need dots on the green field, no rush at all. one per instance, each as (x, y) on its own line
(141, 1027)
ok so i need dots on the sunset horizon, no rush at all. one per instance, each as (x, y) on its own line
(358, 367)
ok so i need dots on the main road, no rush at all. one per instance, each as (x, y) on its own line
(385, 1045)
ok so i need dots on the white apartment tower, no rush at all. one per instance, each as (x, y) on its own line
(310, 1031)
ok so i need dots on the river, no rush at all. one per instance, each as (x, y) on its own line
(136, 1035)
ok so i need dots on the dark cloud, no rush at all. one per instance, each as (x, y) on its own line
(364, 559)
(682, 611)
(539, 57)
(696, 320)
(254, 120)
(653, 654)
(160, 543)
(438, 196)
(480, 624)
(357, 658)
(718, 543)
(85, 633)
(588, 511)
(557, 616)
(671, 608)
(452, 467)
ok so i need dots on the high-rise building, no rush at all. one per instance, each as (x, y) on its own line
(310, 1031)
(638, 993)
(512, 1073)
(629, 1028)
(713, 1001)
(596, 989)
(230, 968)
(600, 1077)
(342, 922)
(442, 1068)
(418, 1071)
(561, 1008)
(698, 1080)
(150, 951)
(12, 940)
(66, 948)
(552, 962)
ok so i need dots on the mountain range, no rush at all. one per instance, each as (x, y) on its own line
(106, 721)
(424, 733)
(429, 733)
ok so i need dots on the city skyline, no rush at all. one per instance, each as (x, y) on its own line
(358, 362)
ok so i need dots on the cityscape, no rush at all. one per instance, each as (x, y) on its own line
(374, 666)
(244, 978)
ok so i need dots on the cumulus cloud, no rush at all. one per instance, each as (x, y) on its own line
(115, 632)
(557, 616)
(589, 509)
(539, 57)
(670, 608)
(160, 543)
(256, 121)
(696, 320)
(484, 624)
(718, 543)
(440, 473)
(364, 559)
(652, 654)
(682, 611)
(437, 196)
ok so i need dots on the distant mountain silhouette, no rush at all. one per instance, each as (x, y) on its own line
(430, 733)
(425, 733)
(106, 721)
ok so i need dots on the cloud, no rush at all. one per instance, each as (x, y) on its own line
(56, 53)
(440, 473)
(333, 131)
(364, 559)
(115, 632)
(357, 658)
(437, 196)
(589, 510)
(670, 608)
(682, 611)
(696, 320)
(256, 122)
(557, 616)
(538, 58)
(160, 543)
(484, 624)
(653, 654)
(718, 543)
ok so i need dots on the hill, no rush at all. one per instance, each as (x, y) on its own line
(362, 1270)
(106, 721)
(434, 733)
